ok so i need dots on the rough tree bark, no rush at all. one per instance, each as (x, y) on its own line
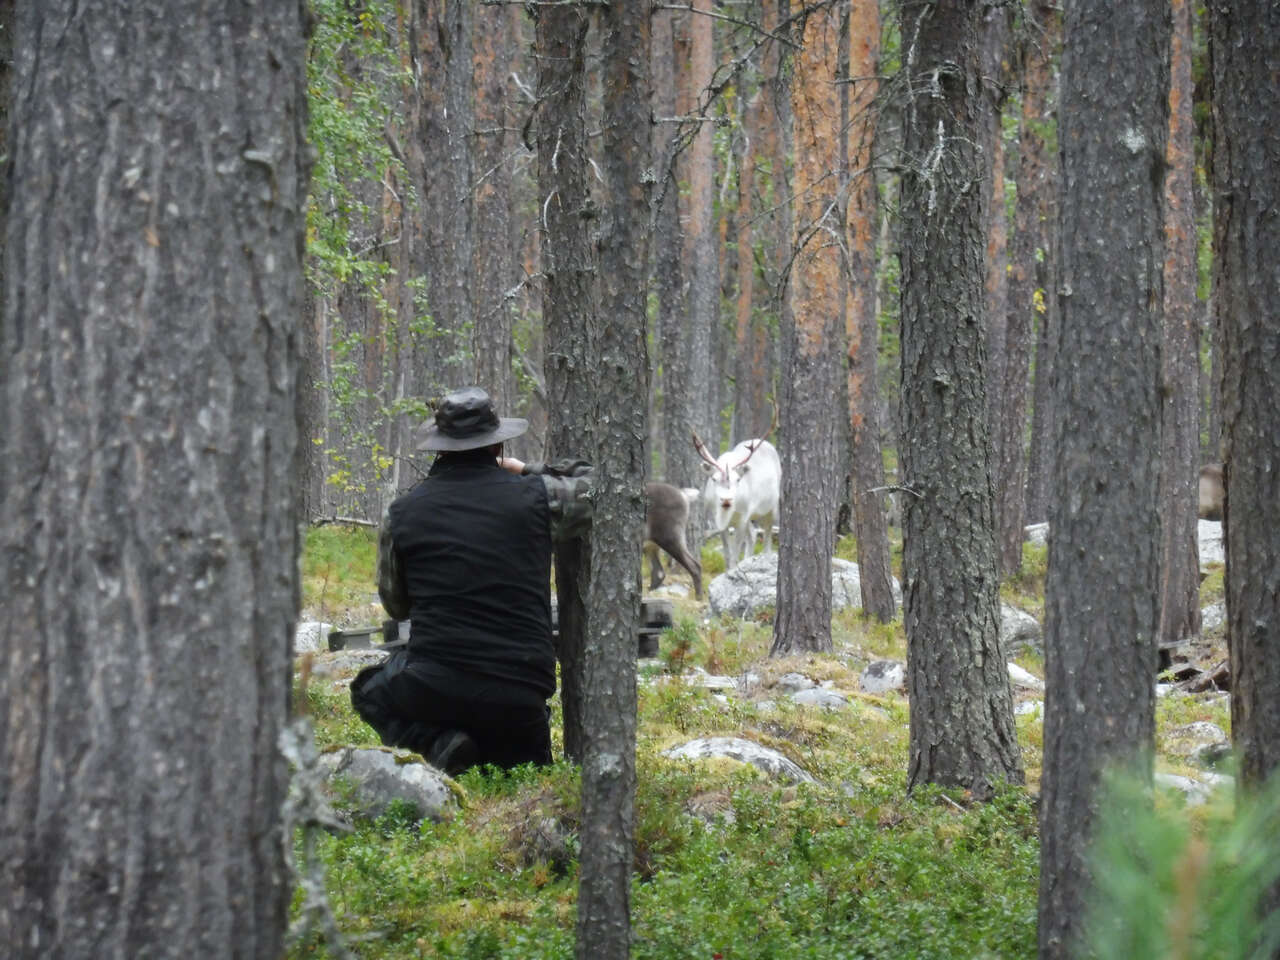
(809, 412)
(1040, 455)
(862, 325)
(618, 334)
(962, 729)
(701, 246)
(446, 120)
(754, 400)
(569, 309)
(150, 544)
(1244, 50)
(996, 28)
(1040, 449)
(1179, 488)
(686, 346)
(750, 405)
(493, 264)
(1026, 298)
(678, 459)
(1105, 548)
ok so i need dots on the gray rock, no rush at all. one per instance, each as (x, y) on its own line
(748, 587)
(1037, 533)
(881, 676)
(1209, 535)
(817, 697)
(1210, 754)
(1213, 617)
(697, 677)
(793, 682)
(312, 636)
(671, 590)
(768, 761)
(1024, 678)
(749, 681)
(753, 585)
(1019, 630)
(1195, 792)
(379, 775)
(1186, 740)
(1032, 707)
(846, 586)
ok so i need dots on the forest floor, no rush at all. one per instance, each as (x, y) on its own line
(728, 863)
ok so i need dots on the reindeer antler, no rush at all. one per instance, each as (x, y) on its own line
(704, 453)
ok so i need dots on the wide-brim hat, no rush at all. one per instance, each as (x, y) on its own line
(465, 421)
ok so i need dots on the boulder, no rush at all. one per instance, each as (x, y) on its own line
(819, 697)
(697, 677)
(846, 586)
(312, 636)
(1195, 792)
(752, 586)
(379, 775)
(1213, 617)
(1198, 739)
(1018, 631)
(768, 761)
(1209, 536)
(1024, 678)
(1037, 533)
(881, 676)
(793, 683)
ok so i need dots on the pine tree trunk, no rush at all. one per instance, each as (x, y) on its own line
(1101, 597)
(677, 456)
(1179, 488)
(809, 466)
(493, 272)
(150, 543)
(1032, 213)
(962, 731)
(701, 254)
(755, 403)
(1244, 48)
(568, 310)
(621, 394)
(862, 325)
(446, 118)
(995, 74)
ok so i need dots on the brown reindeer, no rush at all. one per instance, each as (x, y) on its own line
(665, 517)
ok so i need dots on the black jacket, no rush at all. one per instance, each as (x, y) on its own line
(473, 544)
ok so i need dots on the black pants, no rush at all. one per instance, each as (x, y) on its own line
(410, 701)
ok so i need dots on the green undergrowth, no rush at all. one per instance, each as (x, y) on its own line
(727, 862)
(339, 566)
(1025, 589)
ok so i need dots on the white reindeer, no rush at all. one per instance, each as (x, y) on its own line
(742, 488)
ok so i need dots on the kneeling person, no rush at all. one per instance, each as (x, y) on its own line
(465, 556)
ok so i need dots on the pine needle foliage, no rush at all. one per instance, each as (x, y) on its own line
(1174, 887)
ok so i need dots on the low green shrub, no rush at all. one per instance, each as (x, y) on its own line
(1172, 885)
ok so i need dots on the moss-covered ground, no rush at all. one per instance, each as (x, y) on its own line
(728, 864)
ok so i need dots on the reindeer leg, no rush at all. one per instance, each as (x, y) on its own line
(695, 570)
(656, 573)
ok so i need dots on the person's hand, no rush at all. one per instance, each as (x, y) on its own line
(511, 464)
